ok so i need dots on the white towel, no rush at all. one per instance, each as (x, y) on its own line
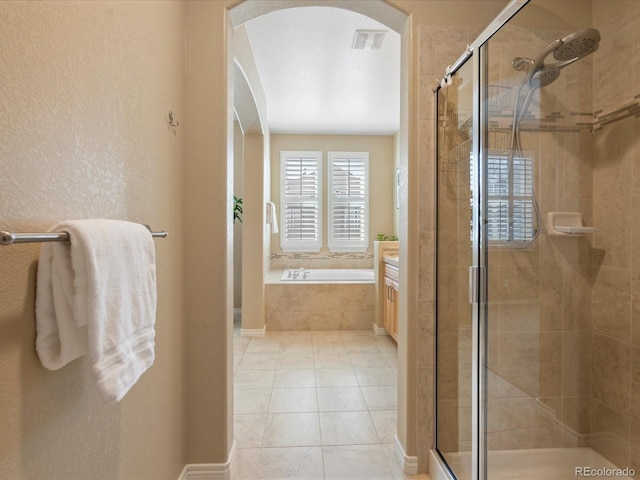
(97, 294)
(272, 218)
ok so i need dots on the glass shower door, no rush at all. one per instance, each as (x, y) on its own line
(537, 364)
(545, 346)
(454, 257)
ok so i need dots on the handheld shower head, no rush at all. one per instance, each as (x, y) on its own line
(544, 76)
(570, 49)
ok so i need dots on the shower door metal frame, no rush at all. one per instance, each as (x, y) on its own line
(477, 52)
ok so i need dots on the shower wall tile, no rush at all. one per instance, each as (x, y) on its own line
(635, 231)
(611, 373)
(586, 157)
(432, 38)
(612, 58)
(520, 316)
(634, 64)
(448, 425)
(576, 352)
(447, 196)
(575, 414)
(426, 259)
(518, 413)
(609, 433)
(425, 395)
(537, 437)
(549, 254)
(532, 362)
(635, 308)
(447, 301)
(612, 238)
(577, 166)
(519, 283)
(577, 302)
(424, 339)
(426, 191)
(552, 169)
(493, 354)
(448, 368)
(575, 250)
(634, 460)
(553, 407)
(613, 163)
(611, 307)
(578, 93)
(426, 102)
(635, 385)
(551, 298)
(636, 157)
(426, 136)
(528, 257)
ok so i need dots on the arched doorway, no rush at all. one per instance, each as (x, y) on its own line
(395, 20)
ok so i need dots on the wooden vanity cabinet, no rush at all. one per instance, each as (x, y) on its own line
(391, 275)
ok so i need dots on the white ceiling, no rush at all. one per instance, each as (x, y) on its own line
(315, 82)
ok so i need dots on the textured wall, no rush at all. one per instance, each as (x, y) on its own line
(86, 88)
(208, 231)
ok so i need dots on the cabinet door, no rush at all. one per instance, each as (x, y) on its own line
(388, 305)
(394, 313)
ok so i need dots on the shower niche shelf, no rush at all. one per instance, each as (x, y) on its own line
(567, 224)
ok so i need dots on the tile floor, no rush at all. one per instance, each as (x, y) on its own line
(316, 405)
(322, 406)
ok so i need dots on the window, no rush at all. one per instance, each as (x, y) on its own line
(509, 203)
(348, 201)
(301, 201)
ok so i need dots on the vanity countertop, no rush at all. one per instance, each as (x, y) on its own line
(392, 260)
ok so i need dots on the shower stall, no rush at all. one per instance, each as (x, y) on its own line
(538, 247)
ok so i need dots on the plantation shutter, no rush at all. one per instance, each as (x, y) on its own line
(499, 206)
(348, 201)
(301, 201)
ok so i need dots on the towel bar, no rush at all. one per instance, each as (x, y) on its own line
(8, 238)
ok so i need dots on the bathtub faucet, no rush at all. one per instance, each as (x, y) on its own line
(300, 272)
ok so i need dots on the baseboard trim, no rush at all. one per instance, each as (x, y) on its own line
(209, 471)
(253, 332)
(409, 463)
(379, 330)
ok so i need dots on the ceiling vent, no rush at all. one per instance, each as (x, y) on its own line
(368, 39)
